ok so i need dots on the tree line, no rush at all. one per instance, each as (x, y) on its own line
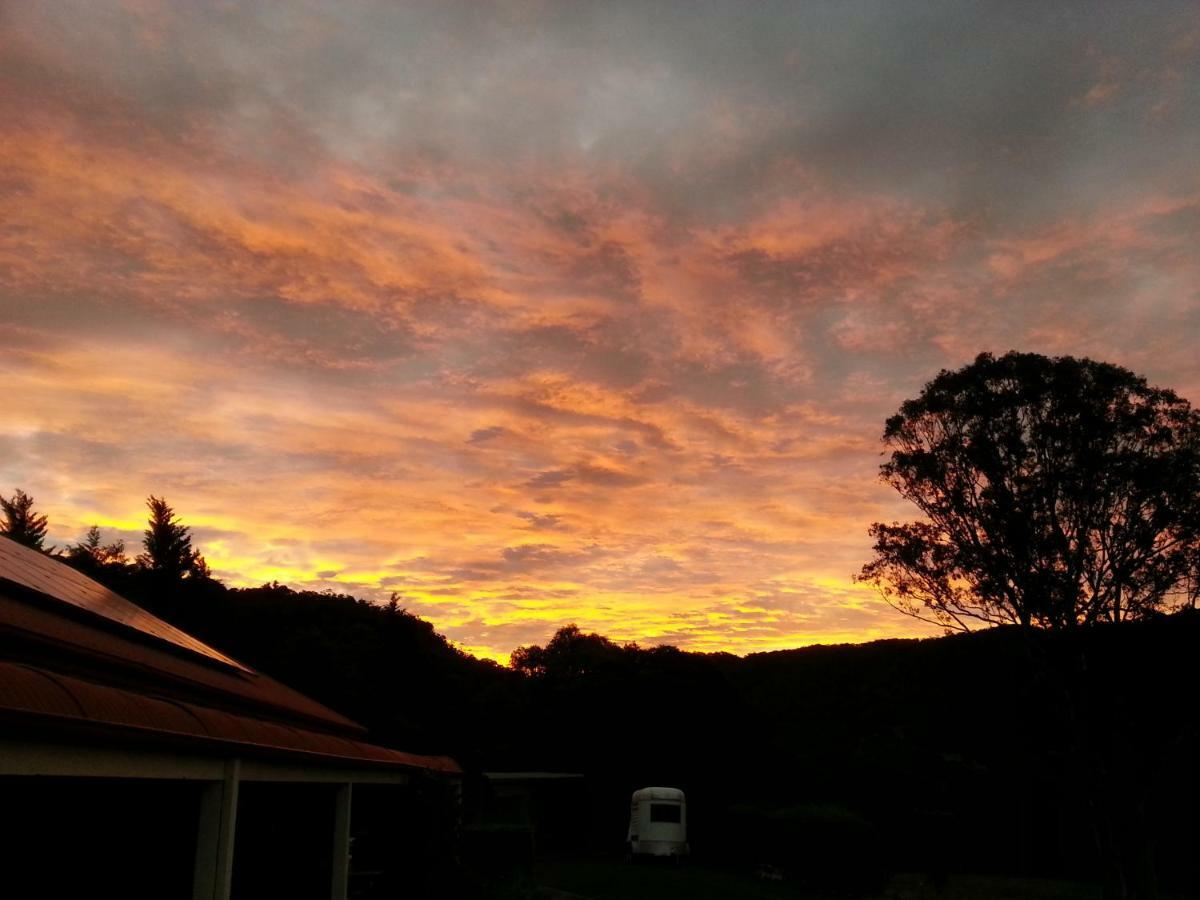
(167, 548)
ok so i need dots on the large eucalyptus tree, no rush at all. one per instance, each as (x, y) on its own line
(1055, 492)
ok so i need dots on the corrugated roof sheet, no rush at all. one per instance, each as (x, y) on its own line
(80, 656)
(37, 571)
(57, 698)
(158, 667)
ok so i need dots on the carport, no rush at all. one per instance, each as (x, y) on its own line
(137, 761)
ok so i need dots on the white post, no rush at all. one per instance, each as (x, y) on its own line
(213, 875)
(341, 843)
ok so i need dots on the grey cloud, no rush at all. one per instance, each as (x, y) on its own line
(660, 565)
(952, 99)
(320, 334)
(585, 473)
(540, 557)
(203, 533)
(629, 349)
(483, 435)
(551, 478)
(530, 555)
(606, 477)
(610, 271)
(744, 385)
(541, 522)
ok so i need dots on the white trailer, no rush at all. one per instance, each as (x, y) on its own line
(658, 822)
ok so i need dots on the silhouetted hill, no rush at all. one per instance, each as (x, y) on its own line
(977, 752)
(385, 668)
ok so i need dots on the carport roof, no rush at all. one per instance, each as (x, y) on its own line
(38, 572)
(79, 659)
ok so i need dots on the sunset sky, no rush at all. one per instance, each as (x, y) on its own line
(540, 313)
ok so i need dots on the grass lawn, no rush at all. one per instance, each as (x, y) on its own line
(660, 880)
(599, 879)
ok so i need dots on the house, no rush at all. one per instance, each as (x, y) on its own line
(135, 760)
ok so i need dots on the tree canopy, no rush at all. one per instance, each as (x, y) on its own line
(569, 653)
(90, 554)
(1056, 492)
(20, 522)
(167, 544)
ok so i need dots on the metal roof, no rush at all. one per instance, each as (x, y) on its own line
(52, 698)
(34, 570)
(78, 659)
(39, 632)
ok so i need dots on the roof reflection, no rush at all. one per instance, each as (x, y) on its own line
(36, 571)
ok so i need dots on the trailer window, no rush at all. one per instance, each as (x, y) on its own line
(665, 812)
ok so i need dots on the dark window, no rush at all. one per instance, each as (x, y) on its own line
(665, 812)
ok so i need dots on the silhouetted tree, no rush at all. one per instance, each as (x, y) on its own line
(1056, 491)
(90, 544)
(568, 654)
(20, 522)
(168, 545)
(90, 550)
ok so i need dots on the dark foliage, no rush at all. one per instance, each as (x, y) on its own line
(1056, 492)
(941, 755)
(93, 557)
(168, 551)
(386, 669)
(20, 522)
